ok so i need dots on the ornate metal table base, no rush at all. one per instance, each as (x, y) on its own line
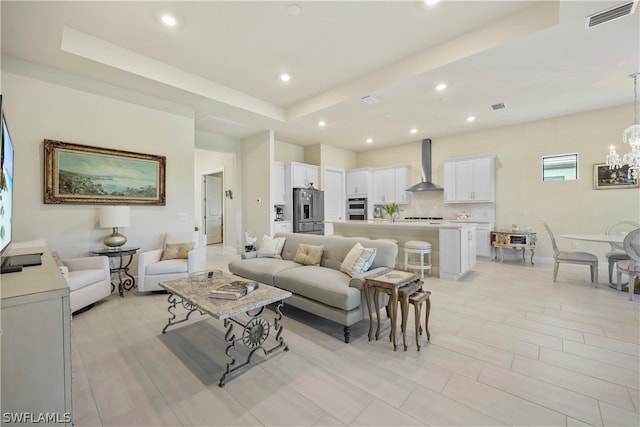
(255, 333)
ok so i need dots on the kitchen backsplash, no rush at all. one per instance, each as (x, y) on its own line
(431, 204)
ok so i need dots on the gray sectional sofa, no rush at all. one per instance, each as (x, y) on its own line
(323, 290)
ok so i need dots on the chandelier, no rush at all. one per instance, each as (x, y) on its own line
(630, 136)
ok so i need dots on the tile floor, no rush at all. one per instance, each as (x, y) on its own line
(508, 347)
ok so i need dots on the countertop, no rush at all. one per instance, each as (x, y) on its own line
(435, 224)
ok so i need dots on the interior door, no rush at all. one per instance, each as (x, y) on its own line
(334, 194)
(213, 208)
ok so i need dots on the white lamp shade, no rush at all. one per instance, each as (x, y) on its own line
(114, 216)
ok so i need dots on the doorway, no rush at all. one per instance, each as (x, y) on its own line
(213, 207)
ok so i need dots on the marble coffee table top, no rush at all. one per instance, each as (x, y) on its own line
(197, 294)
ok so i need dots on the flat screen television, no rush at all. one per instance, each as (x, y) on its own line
(6, 185)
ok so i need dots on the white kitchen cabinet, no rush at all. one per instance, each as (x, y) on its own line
(457, 251)
(469, 180)
(359, 182)
(389, 185)
(303, 175)
(483, 238)
(278, 189)
(36, 341)
(282, 227)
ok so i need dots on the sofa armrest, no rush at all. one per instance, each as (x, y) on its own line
(65, 272)
(358, 281)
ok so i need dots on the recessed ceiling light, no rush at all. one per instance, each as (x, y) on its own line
(169, 20)
(471, 119)
(369, 140)
(285, 77)
(322, 123)
(441, 86)
(293, 9)
(431, 2)
(414, 131)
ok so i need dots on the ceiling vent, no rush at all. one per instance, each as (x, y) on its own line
(498, 106)
(611, 14)
(370, 99)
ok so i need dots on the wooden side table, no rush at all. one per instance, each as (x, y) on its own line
(390, 282)
(513, 240)
(122, 268)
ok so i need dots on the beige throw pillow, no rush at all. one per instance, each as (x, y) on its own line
(271, 247)
(308, 254)
(177, 250)
(358, 260)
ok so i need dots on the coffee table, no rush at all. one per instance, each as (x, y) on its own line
(255, 330)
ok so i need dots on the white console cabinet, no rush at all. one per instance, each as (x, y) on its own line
(470, 180)
(457, 251)
(36, 342)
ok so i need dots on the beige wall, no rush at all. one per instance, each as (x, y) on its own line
(285, 152)
(257, 160)
(522, 197)
(38, 110)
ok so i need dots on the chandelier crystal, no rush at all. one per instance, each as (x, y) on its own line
(630, 136)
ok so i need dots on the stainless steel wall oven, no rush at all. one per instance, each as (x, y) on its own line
(357, 209)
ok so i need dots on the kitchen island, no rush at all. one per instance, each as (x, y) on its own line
(453, 246)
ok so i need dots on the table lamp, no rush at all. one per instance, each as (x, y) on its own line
(114, 217)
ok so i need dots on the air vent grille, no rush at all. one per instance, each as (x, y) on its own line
(611, 14)
(370, 99)
(498, 106)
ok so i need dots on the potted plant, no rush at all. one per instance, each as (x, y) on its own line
(392, 210)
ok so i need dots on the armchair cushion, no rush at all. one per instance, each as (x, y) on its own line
(177, 250)
(177, 265)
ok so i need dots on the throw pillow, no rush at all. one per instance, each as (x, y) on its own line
(308, 254)
(177, 250)
(271, 247)
(358, 260)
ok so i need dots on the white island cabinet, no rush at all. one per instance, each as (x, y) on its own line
(36, 344)
(453, 246)
(457, 251)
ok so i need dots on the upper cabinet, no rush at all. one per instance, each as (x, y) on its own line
(278, 189)
(359, 182)
(470, 180)
(389, 185)
(303, 175)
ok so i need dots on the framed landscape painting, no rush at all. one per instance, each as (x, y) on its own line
(83, 174)
(606, 179)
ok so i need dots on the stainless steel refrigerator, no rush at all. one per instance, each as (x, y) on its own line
(308, 211)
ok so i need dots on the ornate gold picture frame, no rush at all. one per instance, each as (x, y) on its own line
(82, 174)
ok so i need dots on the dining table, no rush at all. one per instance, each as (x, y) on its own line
(599, 238)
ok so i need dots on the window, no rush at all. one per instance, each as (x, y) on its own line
(560, 167)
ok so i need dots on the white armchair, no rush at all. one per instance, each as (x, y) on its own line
(89, 280)
(174, 261)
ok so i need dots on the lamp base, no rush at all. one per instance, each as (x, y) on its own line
(115, 239)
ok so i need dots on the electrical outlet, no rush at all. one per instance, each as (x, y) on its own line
(574, 245)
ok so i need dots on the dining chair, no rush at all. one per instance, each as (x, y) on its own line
(630, 266)
(572, 257)
(617, 252)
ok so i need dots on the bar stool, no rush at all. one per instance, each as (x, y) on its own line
(421, 249)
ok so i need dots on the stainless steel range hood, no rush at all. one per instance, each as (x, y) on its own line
(426, 184)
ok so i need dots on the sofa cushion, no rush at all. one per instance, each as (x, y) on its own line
(322, 284)
(358, 260)
(308, 254)
(271, 248)
(260, 269)
(177, 250)
(81, 278)
(167, 266)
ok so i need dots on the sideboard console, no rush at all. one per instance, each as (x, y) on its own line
(513, 240)
(36, 344)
